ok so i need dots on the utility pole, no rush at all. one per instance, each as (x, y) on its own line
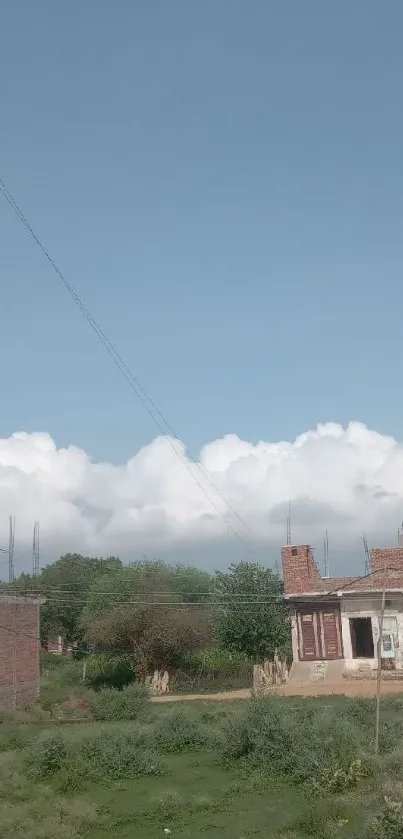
(14, 698)
(11, 539)
(379, 672)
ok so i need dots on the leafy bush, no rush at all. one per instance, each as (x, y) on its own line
(122, 754)
(105, 670)
(211, 669)
(34, 811)
(14, 737)
(99, 757)
(47, 754)
(322, 819)
(322, 752)
(178, 733)
(388, 824)
(125, 704)
(62, 671)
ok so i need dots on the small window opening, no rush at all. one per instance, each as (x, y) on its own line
(362, 640)
(294, 551)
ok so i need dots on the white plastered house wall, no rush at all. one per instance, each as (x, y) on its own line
(368, 605)
(358, 604)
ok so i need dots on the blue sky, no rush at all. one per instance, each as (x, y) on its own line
(223, 183)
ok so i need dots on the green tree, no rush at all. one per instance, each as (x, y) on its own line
(66, 585)
(138, 610)
(192, 584)
(251, 611)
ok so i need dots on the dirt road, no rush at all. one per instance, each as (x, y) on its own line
(355, 687)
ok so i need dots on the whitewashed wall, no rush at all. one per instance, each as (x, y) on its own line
(370, 607)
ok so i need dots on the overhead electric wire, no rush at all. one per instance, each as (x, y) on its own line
(187, 606)
(156, 415)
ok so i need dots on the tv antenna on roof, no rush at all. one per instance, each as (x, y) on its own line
(326, 554)
(288, 525)
(367, 554)
(11, 539)
(35, 550)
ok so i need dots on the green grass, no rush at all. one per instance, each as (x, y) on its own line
(92, 779)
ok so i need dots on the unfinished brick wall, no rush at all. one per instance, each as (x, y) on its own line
(19, 651)
(392, 560)
(300, 572)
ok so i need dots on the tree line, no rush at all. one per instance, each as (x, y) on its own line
(154, 613)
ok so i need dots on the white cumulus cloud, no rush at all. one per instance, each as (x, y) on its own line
(347, 480)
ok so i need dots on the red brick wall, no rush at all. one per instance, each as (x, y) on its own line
(19, 663)
(392, 559)
(300, 573)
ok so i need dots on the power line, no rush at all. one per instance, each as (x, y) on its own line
(156, 415)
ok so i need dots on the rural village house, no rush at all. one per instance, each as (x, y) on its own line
(336, 621)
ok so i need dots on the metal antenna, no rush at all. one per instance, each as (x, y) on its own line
(11, 539)
(326, 554)
(400, 535)
(288, 525)
(35, 550)
(277, 567)
(367, 554)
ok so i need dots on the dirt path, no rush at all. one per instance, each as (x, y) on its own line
(218, 697)
(345, 688)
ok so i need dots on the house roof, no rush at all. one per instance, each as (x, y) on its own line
(302, 576)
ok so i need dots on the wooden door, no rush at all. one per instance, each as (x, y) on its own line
(330, 633)
(319, 633)
(308, 636)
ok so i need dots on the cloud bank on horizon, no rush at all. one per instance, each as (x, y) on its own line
(347, 480)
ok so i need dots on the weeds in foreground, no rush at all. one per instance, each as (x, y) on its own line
(324, 755)
(126, 704)
(388, 824)
(34, 811)
(96, 757)
(178, 732)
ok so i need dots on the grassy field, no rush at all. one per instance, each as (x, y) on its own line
(273, 768)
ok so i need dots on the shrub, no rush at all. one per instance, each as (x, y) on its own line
(99, 757)
(33, 811)
(14, 737)
(125, 704)
(178, 733)
(322, 819)
(324, 754)
(122, 754)
(105, 670)
(211, 669)
(388, 824)
(47, 754)
(60, 671)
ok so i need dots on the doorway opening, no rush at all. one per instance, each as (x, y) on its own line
(362, 640)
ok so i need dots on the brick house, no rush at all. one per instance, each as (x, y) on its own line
(19, 650)
(335, 620)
